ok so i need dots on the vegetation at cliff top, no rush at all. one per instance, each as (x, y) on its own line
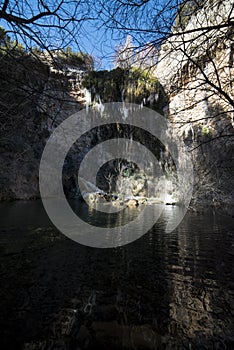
(64, 56)
(77, 59)
(134, 84)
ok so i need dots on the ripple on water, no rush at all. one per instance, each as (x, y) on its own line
(170, 290)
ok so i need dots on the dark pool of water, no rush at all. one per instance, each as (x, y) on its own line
(164, 291)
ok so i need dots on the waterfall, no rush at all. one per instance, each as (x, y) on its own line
(98, 104)
(88, 99)
(90, 187)
(122, 95)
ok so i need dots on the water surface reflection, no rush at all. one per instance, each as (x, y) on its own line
(164, 291)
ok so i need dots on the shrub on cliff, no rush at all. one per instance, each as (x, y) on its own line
(76, 59)
(132, 85)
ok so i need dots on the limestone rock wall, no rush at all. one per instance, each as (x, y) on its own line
(35, 97)
(196, 70)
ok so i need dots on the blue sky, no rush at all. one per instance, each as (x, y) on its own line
(100, 42)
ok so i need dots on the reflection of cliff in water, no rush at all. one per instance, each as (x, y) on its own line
(165, 290)
(201, 299)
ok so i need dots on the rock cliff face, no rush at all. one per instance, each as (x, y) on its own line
(42, 95)
(35, 97)
(195, 73)
(196, 70)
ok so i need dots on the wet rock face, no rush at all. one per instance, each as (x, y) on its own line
(34, 98)
(134, 85)
(50, 95)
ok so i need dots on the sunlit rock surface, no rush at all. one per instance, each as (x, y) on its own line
(199, 113)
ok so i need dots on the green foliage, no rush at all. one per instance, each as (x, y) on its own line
(207, 131)
(65, 56)
(108, 84)
(135, 83)
(36, 50)
(141, 83)
(4, 38)
(8, 46)
(76, 59)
